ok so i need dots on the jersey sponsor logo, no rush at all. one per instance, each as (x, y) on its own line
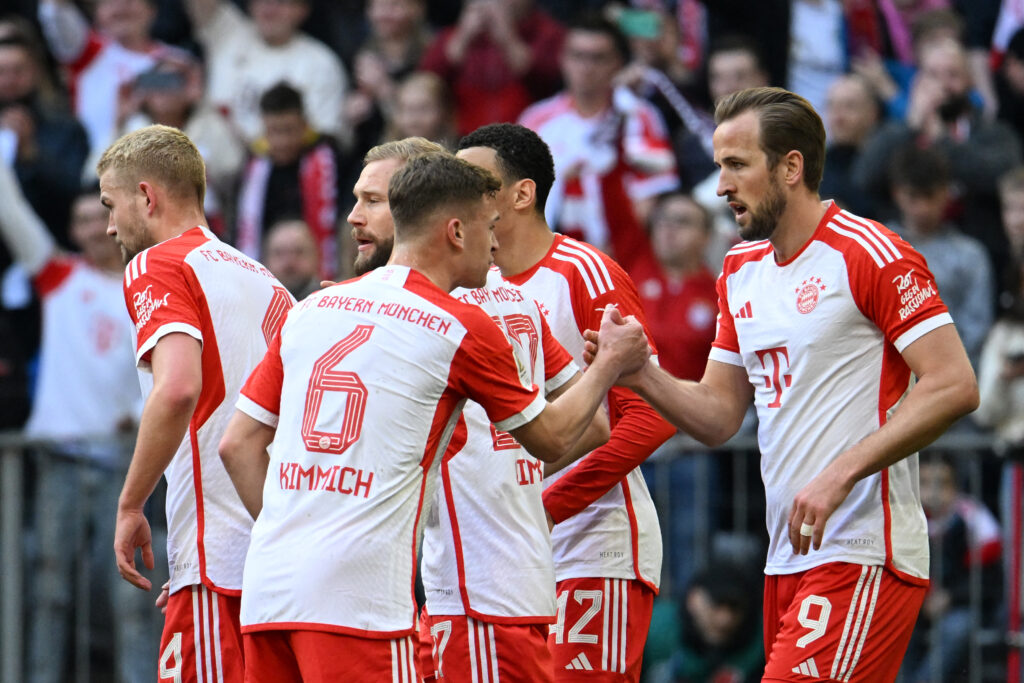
(778, 379)
(912, 294)
(808, 293)
(146, 305)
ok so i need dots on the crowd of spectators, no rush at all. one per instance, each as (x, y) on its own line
(923, 102)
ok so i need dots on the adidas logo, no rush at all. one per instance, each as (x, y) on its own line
(745, 312)
(807, 668)
(580, 661)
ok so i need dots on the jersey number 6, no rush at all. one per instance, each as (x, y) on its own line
(324, 379)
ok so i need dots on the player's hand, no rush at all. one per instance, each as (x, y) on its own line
(812, 506)
(165, 595)
(624, 340)
(324, 284)
(590, 339)
(130, 532)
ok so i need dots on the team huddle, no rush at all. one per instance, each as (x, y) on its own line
(475, 404)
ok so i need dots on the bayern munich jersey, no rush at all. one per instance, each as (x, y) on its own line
(197, 285)
(365, 385)
(486, 546)
(820, 337)
(89, 387)
(597, 534)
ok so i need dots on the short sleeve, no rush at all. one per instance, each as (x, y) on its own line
(900, 297)
(726, 347)
(161, 300)
(485, 370)
(261, 395)
(559, 366)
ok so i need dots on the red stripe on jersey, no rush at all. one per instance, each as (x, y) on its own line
(873, 231)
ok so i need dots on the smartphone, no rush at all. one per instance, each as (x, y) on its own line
(160, 80)
(640, 23)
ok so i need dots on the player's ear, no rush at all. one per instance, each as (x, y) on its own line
(148, 192)
(793, 164)
(455, 231)
(524, 194)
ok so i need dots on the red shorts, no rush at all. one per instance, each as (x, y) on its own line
(601, 629)
(199, 620)
(840, 621)
(462, 649)
(321, 657)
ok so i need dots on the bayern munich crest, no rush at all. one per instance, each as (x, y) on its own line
(808, 293)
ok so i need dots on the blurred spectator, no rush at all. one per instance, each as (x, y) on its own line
(892, 78)
(659, 74)
(963, 536)
(423, 108)
(734, 64)
(294, 171)
(247, 55)
(1009, 21)
(852, 114)
(46, 146)
(497, 59)
(290, 253)
(676, 288)
(101, 60)
(720, 630)
(398, 38)
(941, 114)
(170, 93)
(764, 23)
(85, 390)
(1010, 84)
(604, 147)
(1001, 370)
(920, 186)
(817, 48)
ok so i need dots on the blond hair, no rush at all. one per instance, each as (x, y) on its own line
(403, 150)
(160, 154)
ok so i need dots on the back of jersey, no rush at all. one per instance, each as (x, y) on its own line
(197, 285)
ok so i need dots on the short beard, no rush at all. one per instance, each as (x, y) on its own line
(380, 257)
(765, 218)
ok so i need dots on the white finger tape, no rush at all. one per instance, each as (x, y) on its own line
(806, 530)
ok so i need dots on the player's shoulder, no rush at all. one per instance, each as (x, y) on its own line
(744, 253)
(166, 257)
(863, 241)
(540, 113)
(584, 265)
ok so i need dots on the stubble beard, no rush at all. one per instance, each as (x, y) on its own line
(380, 256)
(765, 218)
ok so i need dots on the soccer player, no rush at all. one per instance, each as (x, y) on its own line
(487, 563)
(825, 320)
(606, 542)
(203, 314)
(360, 394)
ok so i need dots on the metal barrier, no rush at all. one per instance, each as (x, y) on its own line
(716, 495)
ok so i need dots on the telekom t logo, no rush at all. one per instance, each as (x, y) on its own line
(777, 379)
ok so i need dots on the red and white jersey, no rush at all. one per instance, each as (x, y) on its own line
(613, 534)
(88, 387)
(630, 147)
(365, 385)
(820, 337)
(486, 546)
(197, 285)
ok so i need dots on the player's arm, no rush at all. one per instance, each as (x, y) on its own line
(243, 449)
(946, 389)
(597, 432)
(176, 361)
(65, 29)
(563, 422)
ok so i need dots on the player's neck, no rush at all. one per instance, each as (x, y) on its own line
(427, 262)
(797, 224)
(177, 222)
(531, 244)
